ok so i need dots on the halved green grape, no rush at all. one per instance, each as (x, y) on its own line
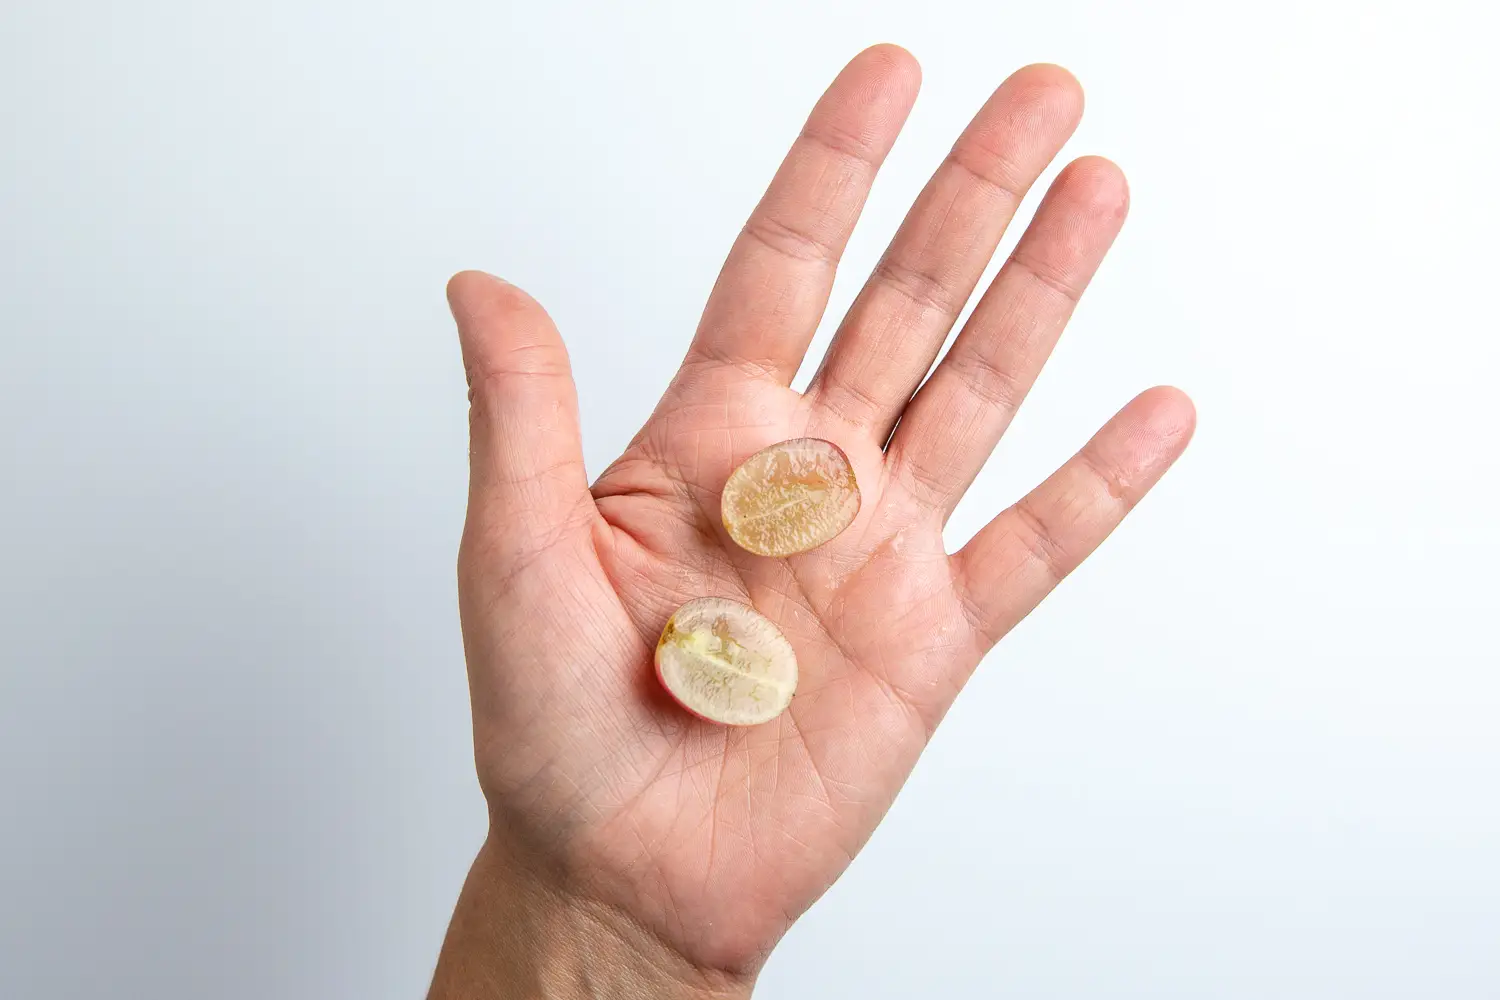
(726, 662)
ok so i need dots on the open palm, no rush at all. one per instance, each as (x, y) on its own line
(713, 839)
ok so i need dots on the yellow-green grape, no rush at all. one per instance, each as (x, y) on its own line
(790, 497)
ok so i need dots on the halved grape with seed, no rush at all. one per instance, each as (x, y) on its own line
(726, 662)
(790, 497)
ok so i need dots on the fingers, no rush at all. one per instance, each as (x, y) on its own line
(772, 291)
(900, 319)
(1016, 559)
(526, 476)
(953, 423)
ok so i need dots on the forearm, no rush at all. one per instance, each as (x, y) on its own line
(516, 937)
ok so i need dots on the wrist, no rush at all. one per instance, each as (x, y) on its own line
(518, 935)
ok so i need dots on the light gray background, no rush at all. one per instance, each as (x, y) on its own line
(1251, 751)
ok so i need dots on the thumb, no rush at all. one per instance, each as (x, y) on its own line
(526, 477)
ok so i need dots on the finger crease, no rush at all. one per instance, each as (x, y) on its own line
(705, 351)
(921, 287)
(972, 612)
(998, 180)
(844, 145)
(850, 401)
(1047, 278)
(1040, 541)
(790, 241)
(928, 488)
(993, 384)
(1113, 482)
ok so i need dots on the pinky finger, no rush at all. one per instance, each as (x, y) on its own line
(1021, 555)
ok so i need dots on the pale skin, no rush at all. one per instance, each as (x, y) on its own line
(635, 850)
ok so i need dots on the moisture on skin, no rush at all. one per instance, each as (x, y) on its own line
(790, 497)
(726, 662)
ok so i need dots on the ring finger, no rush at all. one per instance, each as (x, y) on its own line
(954, 422)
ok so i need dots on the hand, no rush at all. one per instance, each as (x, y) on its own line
(672, 851)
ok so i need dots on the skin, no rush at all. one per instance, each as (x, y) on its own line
(635, 850)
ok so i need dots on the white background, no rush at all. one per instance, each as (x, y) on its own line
(1252, 750)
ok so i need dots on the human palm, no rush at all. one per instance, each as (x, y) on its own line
(710, 838)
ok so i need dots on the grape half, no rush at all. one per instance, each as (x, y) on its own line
(726, 662)
(790, 497)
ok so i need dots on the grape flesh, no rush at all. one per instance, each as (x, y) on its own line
(790, 497)
(726, 662)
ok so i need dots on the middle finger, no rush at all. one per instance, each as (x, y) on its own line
(899, 321)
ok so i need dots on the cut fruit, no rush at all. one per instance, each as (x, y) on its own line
(790, 497)
(726, 662)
